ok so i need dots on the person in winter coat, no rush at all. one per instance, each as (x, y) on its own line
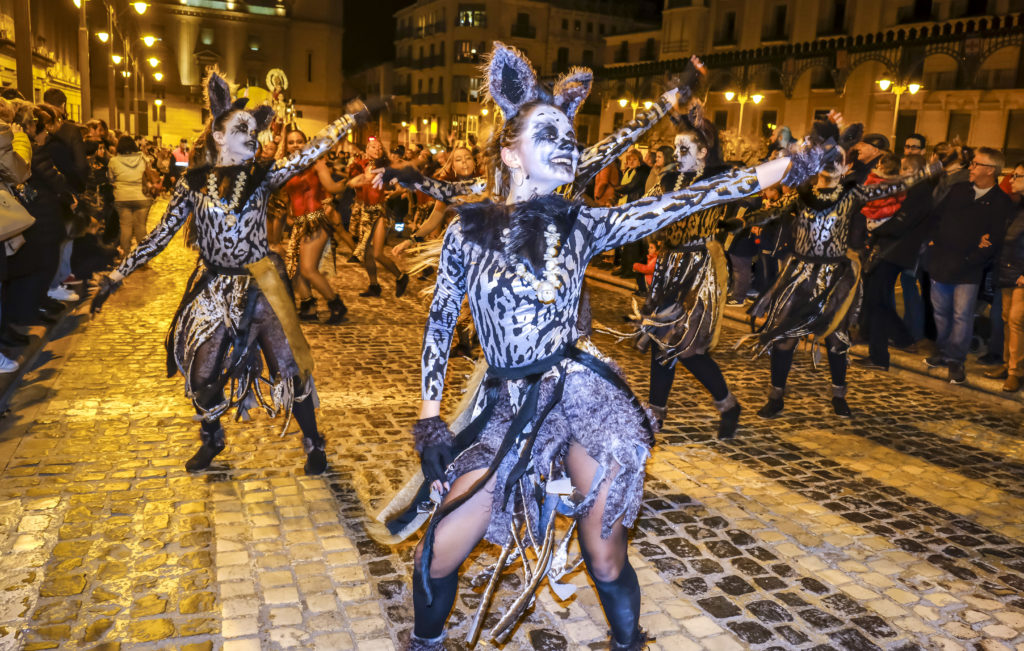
(969, 225)
(895, 246)
(1010, 280)
(15, 154)
(127, 173)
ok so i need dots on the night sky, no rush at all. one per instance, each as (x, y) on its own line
(369, 32)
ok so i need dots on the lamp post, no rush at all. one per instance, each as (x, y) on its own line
(897, 89)
(742, 98)
(85, 73)
(635, 104)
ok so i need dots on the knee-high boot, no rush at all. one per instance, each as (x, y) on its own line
(428, 631)
(620, 600)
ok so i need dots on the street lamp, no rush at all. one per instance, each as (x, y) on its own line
(103, 36)
(484, 112)
(159, 76)
(635, 104)
(149, 40)
(116, 58)
(897, 89)
(742, 97)
(140, 7)
(153, 62)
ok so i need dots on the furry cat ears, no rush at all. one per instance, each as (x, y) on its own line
(511, 83)
(218, 100)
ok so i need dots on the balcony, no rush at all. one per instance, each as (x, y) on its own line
(405, 31)
(405, 89)
(429, 62)
(421, 99)
(524, 31)
(774, 36)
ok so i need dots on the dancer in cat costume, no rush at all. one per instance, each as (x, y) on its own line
(547, 410)
(237, 310)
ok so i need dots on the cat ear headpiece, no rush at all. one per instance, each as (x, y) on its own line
(512, 83)
(219, 102)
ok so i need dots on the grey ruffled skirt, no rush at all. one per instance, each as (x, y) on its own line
(593, 414)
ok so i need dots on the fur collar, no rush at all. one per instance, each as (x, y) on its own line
(484, 221)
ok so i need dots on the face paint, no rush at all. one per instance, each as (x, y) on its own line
(238, 143)
(547, 149)
(689, 154)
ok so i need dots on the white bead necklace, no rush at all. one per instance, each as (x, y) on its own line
(546, 289)
(236, 196)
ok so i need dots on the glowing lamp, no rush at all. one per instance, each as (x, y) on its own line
(78, 4)
(913, 88)
(623, 102)
(140, 7)
(884, 84)
(103, 36)
(158, 102)
(404, 124)
(153, 62)
(729, 95)
(484, 112)
(159, 76)
(425, 120)
(648, 104)
(116, 58)
(757, 98)
(149, 40)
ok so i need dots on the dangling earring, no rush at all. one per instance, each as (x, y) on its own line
(517, 176)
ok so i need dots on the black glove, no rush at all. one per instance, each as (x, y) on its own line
(805, 163)
(105, 286)
(406, 175)
(433, 440)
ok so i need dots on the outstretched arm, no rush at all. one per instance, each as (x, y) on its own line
(178, 209)
(612, 227)
(601, 154)
(444, 191)
(866, 193)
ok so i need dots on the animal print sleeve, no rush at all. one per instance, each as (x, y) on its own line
(598, 156)
(178, 208)
(447, 191)
(612, 227)
(285, 168)
(866, 193)
(444, 312)
(786, 205)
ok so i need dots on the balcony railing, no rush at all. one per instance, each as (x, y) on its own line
(404, 89)
(426, 98)
(403, 62)
(429, 61)
(405, 31)
(524, 31)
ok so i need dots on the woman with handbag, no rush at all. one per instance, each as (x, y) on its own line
(15, 154)
(128, 174)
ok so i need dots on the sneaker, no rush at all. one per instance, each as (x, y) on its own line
(62, 293)
(957, 375)
(868, 363)
(7, 365)
(936, 361)
(990, 359)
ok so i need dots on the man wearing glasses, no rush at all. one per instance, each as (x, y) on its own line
(914, 144)
(969, 225)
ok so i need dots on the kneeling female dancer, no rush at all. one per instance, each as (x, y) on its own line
(310, 232)
(547, 409)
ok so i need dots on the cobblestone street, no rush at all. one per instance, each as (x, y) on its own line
(902, 528)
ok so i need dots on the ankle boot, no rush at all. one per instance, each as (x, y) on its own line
(730, 410)
(316, 457)
(839, 404)
(775, 404)
(213, 444)
(639, 642)
(423, 644)
(338, 311)
(659, 415)
(373, 291)
(307, 309)
(400, 284)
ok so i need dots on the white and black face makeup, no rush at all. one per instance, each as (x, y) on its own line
(831, 174)
(237, 141)
(689, 153)
(546, 149)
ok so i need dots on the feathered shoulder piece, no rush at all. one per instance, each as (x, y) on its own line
(484, 223)
(509, 80)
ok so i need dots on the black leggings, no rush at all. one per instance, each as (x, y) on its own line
(702, 366)
(782, 361)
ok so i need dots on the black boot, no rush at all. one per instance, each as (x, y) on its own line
(400, 284)
(213, 444)
(659, 415)
(420, 644)
(307, 309)
(730, 410)
(639, 643)
(620, 600)
(373, 291)
(774, 406)
(338, 311)
(839, 404)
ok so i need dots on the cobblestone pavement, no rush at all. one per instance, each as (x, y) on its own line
(902, 528)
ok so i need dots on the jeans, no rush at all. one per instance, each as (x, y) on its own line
(880, 308)
(64, 266)
(954, 318)
(132, 216)
(1013, 320)
(913, 304)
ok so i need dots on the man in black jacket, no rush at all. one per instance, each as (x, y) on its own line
(969, 225)
(895, 246)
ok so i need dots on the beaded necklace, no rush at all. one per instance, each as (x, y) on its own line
(546, 289)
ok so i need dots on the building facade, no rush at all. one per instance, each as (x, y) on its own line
(800, 58)
(440, 45)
